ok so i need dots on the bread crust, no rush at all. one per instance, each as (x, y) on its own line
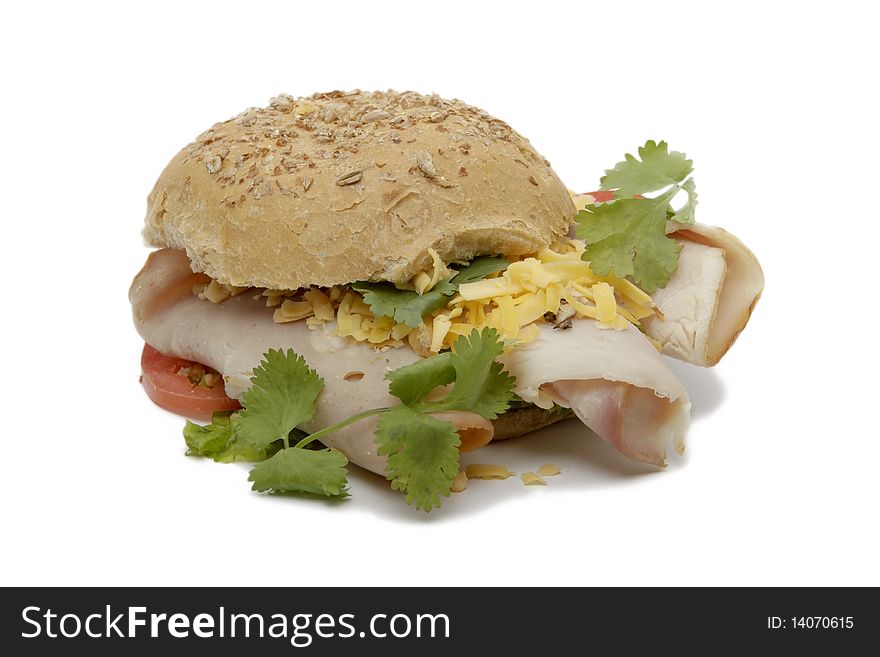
(340, 187)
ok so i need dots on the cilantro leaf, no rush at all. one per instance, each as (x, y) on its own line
(422, 454)
(627, 237)
(422, 450)
(478, 269)
(408, 306)
(685, 214)
(238, 450)
(657, 169)
(318, 472)
(405, 306)
(282, 395)
(481, 384)
(412, 383)
(210, 439)
(220, 441)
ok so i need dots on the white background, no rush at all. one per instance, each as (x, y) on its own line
(775, 102)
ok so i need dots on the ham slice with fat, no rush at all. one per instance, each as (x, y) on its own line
(615, 381)
(710, 297)
(232, 337)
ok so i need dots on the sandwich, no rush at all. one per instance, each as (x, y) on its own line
(389, 279)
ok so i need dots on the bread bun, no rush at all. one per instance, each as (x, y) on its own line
(341, 187)
(523, 420)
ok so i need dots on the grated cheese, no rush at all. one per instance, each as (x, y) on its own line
(291, 311)
(548, 470)
(321, 305)
(218, 292)
(487, 471)
(425, 281)
(606, 305)
(531, 479)
(534, 286)
(439, 329)
(555, 283)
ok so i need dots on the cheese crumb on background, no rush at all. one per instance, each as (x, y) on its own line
(487, 471)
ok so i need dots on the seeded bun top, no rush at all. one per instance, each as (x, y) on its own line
(340, 187)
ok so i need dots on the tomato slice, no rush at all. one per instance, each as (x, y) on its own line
(174, 392)
(602, 196)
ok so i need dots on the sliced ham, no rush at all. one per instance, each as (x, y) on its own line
(689, 303)
(709, 298)
(232, 336)
(614, 380)
(637, 422)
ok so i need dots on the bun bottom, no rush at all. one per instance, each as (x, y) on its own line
(519, 421)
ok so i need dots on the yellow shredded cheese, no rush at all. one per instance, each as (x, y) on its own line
(425, 281)
(529, 333)
(579, 304)
(440, 328)
(487, 471)
(321, 305)
(606, 305)
(555, 283)
(487, 289)
(459, 482)
(400, 331)
(531, 479)
(529, 288)
(548, 470)
(291, 311)
(381, 330)
(218, 292)
(581, 200)
(359, 306)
